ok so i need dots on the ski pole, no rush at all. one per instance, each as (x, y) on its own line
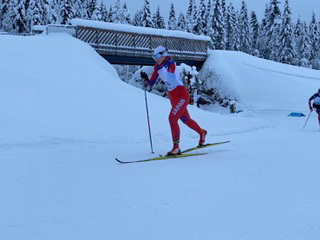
(147, 110)
(307, 119)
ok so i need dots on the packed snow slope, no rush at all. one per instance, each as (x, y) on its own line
(65, 115)
(262, 84)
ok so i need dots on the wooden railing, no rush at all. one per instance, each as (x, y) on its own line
(136, 48)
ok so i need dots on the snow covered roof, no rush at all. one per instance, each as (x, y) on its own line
(140, 30)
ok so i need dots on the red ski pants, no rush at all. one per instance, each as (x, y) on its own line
(179, 98)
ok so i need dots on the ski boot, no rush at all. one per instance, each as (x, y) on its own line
(202, 138)
(175, 150)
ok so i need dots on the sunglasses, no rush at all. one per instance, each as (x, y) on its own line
(158, 55)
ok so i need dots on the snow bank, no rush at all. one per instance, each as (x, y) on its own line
(262, 84)
(59, 86)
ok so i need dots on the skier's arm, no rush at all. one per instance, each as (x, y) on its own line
(310, 99)
(154, 76)
(171, 67)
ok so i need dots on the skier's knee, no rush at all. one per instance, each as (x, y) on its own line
(184, 119)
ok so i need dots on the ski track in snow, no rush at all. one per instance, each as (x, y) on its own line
(283, 73)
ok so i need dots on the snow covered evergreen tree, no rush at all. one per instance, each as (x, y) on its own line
(91, 6)
(196, 21)
(109, 16)
(224, 9)
(137, 18)
(189, 16)
(201, 23)
(224, 17)
(96, 15)
(117, 13)
(104, 12)
(146, 20)
(287, 51)
(4, 8)
(126, 14)
(207, 18)
(218, 31)
(172, 22)
(53, 17)
(66, 11)
(272, 30)
(262, 40)
(305, 49)
(182, 25)
(230, 26)
(77, 8)
(298, 28)
(158, 20)
(16, 17)
(36, 14)
(254, 32)
(245, 40)
(314, 36)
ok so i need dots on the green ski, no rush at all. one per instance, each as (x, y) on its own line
(162, 158)
(204, 146)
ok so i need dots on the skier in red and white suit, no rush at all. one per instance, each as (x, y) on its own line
(179, 97)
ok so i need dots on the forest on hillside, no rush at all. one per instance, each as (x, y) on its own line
(275, 38)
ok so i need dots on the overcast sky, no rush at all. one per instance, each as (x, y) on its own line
(303, 8)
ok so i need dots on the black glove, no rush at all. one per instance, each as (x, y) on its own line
(144, 76)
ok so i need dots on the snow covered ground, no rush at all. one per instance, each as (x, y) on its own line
(65, 115)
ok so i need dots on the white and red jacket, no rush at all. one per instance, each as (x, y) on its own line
(167, 72)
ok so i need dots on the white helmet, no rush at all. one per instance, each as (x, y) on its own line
(160, 51)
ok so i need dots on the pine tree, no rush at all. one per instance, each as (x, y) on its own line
(117, 13)
(236, 36)
(77, 8)
(17, 16)
(305, 49)
(182, 25)
(224, 17)
(4, 8)
(109, 17)
(137, 19)
(66, 12)
(218, 33)
(207, 18)
(287, 52)
(314, 38)
(84, 9)
(196, 21)
(126, 14)
(262, 39)
(201, 20)
(231, 22)
(254, 31)
(245, 41)
(92, 5)
(189, 16)
(36, 14)
(172, 23)
(272, 30)
(53, 17)
(96, 15)
(158, 20)
(298, 28)
(104, 12)
(146, 16)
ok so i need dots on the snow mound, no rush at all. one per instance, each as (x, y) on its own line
(263, 84)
